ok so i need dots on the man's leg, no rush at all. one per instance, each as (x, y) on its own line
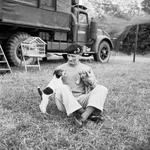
(83, 100)
(97, 97)
(93, 101)
(65, 100)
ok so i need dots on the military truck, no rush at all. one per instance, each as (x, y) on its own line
(58, 22)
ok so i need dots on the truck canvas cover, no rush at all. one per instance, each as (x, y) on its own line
(49, 14)
(64, 5)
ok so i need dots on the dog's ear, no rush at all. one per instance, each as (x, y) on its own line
(48, 91)
(58, 73)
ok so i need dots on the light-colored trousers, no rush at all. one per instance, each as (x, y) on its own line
(66, 102)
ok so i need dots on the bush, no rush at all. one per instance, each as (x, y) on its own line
(128, 39)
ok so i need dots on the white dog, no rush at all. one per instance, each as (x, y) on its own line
(54, 85)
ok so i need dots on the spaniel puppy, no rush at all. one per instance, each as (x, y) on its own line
(88, 80)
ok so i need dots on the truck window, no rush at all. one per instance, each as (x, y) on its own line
(83, 18)
(28, 2)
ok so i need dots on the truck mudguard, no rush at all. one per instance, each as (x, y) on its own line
(99, 39)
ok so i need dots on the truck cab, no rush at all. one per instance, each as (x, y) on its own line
(95, 41)
(82, 25)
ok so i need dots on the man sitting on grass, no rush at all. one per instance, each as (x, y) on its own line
(76, 100)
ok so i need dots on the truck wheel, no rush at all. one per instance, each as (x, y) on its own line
(13, 49)
(103, 53)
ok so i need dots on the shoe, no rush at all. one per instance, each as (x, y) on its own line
(78, 121)
(96, 118)
(81, 110)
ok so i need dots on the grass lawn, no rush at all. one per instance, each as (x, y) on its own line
(127, 116)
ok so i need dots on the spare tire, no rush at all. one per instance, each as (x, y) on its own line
(13, 49)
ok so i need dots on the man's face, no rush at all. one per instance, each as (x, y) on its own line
(73, 59)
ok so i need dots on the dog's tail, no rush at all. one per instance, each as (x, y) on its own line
(39, 91)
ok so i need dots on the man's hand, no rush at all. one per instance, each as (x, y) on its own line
(85, 74)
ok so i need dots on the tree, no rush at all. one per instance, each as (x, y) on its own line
(146, 6)
(103, 7)
(119, 9)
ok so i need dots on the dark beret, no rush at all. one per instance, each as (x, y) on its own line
(74, 49)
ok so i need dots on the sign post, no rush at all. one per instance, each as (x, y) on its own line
(136, 42)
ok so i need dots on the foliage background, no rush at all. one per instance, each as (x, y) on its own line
(114, 16)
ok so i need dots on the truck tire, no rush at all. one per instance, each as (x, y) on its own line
(103, 53)
(13, 49)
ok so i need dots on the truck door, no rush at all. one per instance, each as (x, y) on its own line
(82, 33)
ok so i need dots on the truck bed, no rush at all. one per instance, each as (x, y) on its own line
(34, 13)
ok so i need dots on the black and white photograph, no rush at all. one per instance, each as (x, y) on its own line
(74, 74)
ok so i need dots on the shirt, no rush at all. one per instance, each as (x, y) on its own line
(72, 76)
